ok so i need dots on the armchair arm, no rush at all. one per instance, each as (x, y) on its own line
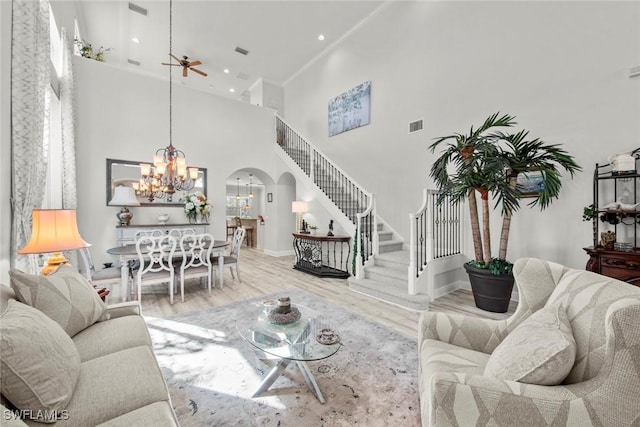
(459, 399)
(121, 309)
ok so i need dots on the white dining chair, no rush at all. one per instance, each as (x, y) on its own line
(233, 259)
(155, 255)
(196, 262)
(103, 277)
(179, 232)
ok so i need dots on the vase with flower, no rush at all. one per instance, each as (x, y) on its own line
(196, 205)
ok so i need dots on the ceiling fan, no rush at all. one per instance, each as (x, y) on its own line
(186, 65)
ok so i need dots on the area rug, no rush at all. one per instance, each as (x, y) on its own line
(212, 372)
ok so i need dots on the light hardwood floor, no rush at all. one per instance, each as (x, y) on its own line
(263, 275)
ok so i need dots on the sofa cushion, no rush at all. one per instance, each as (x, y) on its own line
(39, 364)
(112, 336)
(541, 350)
(115, 384)
(157, 414)
(65, 296)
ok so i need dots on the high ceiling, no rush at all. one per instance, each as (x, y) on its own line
(281, 37)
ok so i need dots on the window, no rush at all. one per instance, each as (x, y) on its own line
(239, 207)
(52, 140)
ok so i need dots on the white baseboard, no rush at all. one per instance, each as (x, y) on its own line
(447, 289)
(279, 253)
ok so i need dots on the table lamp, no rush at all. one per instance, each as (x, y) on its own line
(124, 196)
(299, 208)
(53, 230)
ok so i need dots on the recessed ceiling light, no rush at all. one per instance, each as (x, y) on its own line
(226, 71)
(321, 37)
(232, 90)
(135, 40)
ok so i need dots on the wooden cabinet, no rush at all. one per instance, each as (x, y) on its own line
(126, 235)
(322, 255)
(620, 265)
(616, 215)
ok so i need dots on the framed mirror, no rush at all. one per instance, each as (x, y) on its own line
(127, 172)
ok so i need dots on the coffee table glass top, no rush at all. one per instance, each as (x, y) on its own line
(311, 337)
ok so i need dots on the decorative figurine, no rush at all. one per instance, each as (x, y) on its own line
(304, 227)
(284, 305)
(330, 233)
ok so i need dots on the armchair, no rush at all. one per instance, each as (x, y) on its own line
(602, 387)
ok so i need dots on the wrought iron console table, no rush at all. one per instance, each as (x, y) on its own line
(322, 255)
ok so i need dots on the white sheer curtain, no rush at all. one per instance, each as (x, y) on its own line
(67, 94)
(29, 80)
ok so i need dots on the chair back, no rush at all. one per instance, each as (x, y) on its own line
(89, 267)
(156, 232)
(196, 250)
(591, 302)
(238, 236)
(179, 232)
(155, 253)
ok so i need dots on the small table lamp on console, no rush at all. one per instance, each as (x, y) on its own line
(53, 230)
(124, 196)
(299, 207)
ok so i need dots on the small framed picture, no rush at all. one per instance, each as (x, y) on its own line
(269, 197)
(530, 183)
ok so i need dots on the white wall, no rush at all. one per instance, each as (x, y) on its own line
(124, 115)
(560, 67)
(5, 140)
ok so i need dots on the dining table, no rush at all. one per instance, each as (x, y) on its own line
(127, 253)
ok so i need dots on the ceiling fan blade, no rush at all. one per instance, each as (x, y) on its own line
(175, 57)
(173, 65)
(194, 63)
(199, 72)
(184, 72)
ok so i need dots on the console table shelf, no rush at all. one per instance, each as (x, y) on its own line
(322, 255)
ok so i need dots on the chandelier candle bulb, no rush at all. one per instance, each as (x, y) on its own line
(145, 169)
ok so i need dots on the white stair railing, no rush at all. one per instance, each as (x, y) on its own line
(435, 232)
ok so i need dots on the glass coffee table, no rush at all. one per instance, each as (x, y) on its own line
(309, 338)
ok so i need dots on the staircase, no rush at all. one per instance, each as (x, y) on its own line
(387, 278)
(383, 264)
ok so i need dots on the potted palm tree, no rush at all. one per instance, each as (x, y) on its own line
(487, 162)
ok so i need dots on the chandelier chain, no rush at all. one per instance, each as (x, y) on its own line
(170, 72)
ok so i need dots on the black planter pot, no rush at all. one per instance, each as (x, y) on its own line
(490, 292)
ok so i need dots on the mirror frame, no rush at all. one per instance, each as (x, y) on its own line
(160, 202)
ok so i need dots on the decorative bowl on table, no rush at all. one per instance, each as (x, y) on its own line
(278, 318)
(328, 337)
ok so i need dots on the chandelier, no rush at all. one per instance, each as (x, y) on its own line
(169, 172)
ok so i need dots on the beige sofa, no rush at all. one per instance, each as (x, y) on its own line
(601, 388)
(119, 381)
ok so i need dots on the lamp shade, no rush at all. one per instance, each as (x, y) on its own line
(299, 207)
(53, 230)
(124, 196)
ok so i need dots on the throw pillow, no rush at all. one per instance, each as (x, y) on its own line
(39, 363)
(541, 350)
(66, 296)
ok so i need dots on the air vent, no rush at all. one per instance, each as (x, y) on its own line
(137, 9)
(133, 62)
(242, 51)
(415, 126)
(243, 76)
